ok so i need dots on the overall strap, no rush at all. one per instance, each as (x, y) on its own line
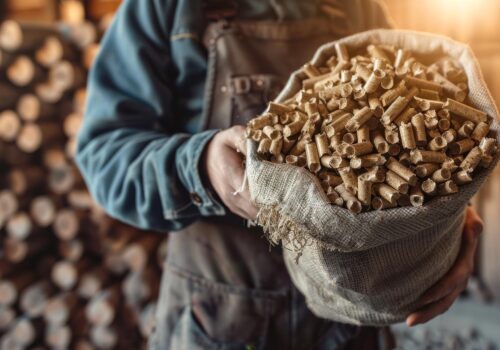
(220, 10)
(216, 10)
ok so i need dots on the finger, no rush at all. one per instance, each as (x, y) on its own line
(235, 198)
(459, 273)
(234, 137)
(237, 175)
(241, 145)
(247, 213)
(472, 229)
(457, 276)
(245, 203)
(473, 222)
(243, 208)
(432, 310)
(232, 168)
(234, 204)
(464, 264)
(252, 211)
(240, 212)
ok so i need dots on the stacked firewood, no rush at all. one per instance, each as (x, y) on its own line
(70, 277)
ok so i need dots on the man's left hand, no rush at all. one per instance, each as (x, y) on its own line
(441, 296)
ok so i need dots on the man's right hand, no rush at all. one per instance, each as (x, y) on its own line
(223, 167)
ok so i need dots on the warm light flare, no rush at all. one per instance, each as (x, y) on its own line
(469, 21)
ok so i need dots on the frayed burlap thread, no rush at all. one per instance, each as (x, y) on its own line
(281, 229)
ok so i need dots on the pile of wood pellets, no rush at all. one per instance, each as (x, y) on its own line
(380, 129)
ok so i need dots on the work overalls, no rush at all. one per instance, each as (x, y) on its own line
(223, 286)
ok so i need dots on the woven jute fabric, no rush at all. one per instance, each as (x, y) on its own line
(368, 268)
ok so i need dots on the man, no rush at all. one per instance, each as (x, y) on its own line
(159, 151)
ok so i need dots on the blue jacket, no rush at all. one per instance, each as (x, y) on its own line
(140, 146)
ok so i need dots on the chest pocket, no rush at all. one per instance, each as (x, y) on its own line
(250, 94)
(249, 63)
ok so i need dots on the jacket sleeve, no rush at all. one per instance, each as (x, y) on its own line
(135, 164)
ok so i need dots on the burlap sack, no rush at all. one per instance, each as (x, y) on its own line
(369, 268)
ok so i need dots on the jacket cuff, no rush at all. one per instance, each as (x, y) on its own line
(188, 161)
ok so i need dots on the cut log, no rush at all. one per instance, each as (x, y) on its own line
(25, 331)
(35, 297)
(63, 179)
(147, 320)
(7, 317)
(54, 158)
(139, 287)
(19, 226)
(80, 199)
(136, 254)
(89, 55)
(10, 126)
(84, 344)
(8, 342)
(52, 51)
(17, 251)
(58, 337)
(72, 124)
(30, 138)
(103, 307)
(82, 34)
(43, 211)
(93, 282)
(119, 237)
(26, 180)
(66, 76)
(115, 264)
(162, 252)
(31, 108)
(65, 273)
(49, 92)
(106, 22)
(23, 72)
(71, 250)
(58, 309)
(12, 287)
(103, 337)
(33, 136)
(8, 293)
(79, 100)
(8, 205)
(18, 37)
(67, 223)
(71, 148)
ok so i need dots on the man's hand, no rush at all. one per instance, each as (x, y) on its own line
(223, 166)
(441, 296)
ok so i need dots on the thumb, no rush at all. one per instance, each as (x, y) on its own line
(236, 139)
(473, 223)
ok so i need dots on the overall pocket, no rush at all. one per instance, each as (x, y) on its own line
(222, 317)
(190, 334)
(250, 95)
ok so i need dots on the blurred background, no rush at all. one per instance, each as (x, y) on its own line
(92, 279)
